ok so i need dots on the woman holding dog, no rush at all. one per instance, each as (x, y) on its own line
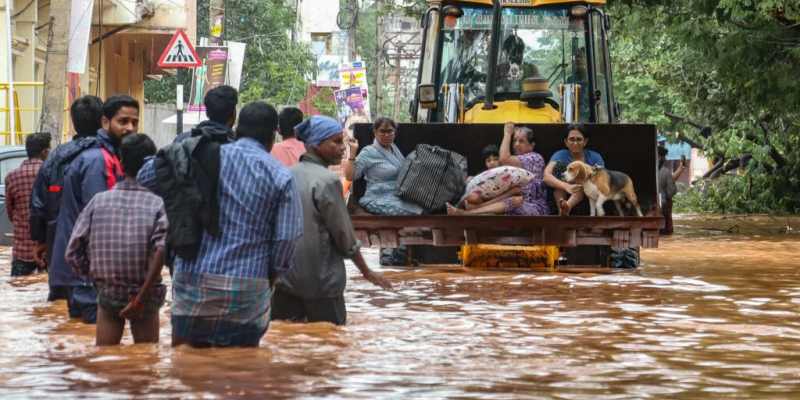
(575, 142)
(528, 200)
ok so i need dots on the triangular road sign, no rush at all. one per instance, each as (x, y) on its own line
(179, 53)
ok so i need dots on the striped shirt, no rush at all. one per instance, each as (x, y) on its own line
(260, 215)
(115, 236)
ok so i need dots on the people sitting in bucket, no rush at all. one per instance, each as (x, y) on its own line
(575, 141)
(515, 188)
(379, 164)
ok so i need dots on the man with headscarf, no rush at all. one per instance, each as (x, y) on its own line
(313, 290)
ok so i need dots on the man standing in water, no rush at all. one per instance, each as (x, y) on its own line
(221, 292)
(313, 290)
(19, 185)
(93, 171)
(87, 114)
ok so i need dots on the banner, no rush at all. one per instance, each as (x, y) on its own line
(349, 103)
(236, 53)
(210, 74)
(80, 27)
(354, 75)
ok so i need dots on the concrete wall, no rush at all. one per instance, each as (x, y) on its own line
(161, 133)
(316, 16)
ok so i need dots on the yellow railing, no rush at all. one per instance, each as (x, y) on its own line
(19, 129)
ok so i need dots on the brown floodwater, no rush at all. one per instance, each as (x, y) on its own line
(713, 313)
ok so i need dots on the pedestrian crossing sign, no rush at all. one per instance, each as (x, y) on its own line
(179, 53)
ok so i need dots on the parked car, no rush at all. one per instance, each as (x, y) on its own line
(10, 158)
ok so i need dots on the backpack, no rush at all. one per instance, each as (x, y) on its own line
(57, 168)
(431, 177)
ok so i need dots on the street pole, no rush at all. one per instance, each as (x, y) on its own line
(55, 70)
(351, 35)
(10, 67)
(398, 53)
(379, 59)
(179, 110)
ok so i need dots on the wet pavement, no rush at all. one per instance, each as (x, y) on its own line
(713, 313)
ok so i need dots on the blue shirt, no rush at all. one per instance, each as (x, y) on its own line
(84, 177)
(260, 215)
(590, 157)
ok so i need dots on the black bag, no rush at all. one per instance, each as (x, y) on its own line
(432, 176)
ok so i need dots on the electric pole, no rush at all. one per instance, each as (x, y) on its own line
(397, 64)
(351, 34)
(55, 70)
(379, 58)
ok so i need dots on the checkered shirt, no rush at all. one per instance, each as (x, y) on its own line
(19, 184)
(260, 215)
(115, 235)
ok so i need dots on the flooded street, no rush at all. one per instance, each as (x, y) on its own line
(713, 313)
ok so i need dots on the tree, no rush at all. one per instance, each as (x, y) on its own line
(275, 69)
(367, 43)
(721, 74)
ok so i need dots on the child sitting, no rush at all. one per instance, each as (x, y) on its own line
(118, 241)
(491, 159)
(527, 200)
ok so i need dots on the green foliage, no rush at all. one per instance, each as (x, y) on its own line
(730, 65)
(366, 43)
(275, 68)
(325, 103)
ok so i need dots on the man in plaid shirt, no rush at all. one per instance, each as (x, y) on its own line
(19, 184)
(118, 241)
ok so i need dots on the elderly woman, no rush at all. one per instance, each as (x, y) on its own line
(312, 291)
(575, 141)
(379, 164)
(529, 200)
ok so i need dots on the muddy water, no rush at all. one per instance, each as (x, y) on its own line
(713, 313)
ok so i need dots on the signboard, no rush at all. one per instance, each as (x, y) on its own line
(350, 102)
(480, 19)
(179, 53)
(354, 75)
(210, 74)
(328, 70)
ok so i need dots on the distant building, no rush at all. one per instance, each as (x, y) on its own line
(697, 163)
(131, 34)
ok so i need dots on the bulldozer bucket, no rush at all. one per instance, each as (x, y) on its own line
(627, 148)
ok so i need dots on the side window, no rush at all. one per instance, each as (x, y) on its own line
(9, 164)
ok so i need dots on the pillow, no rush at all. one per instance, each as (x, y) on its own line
(496, 181)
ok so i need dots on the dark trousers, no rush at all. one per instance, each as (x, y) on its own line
(82, 303)
(58, 293)
(666, 210)
(286, 306)
(22, 268)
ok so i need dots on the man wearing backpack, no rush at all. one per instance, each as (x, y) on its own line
(86, 113)
(94, 170)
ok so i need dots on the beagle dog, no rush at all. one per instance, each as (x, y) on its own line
(600, 185)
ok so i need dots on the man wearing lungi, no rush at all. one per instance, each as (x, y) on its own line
(221, 295)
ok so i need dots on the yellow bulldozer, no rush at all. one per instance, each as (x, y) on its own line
(538, 63)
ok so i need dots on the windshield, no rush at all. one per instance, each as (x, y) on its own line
(534, 42)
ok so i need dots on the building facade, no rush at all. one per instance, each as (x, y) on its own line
(125, 40)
